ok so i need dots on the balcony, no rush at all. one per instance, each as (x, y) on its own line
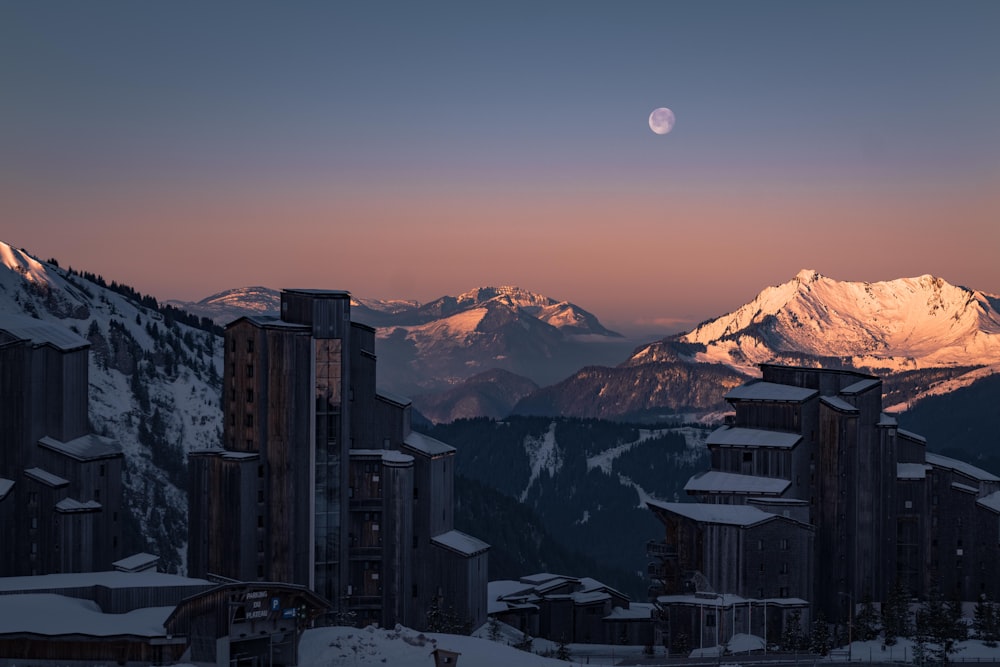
(655, 549)
(656, 571)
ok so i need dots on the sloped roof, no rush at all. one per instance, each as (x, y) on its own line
(713, 481)
(456, 540)
(737, 436)
(912, 436)
(860, 386)
(770, 391)
(73, 505)
(45, 477)
(85, 448)
(426, 444)
(731, 515)
(5, 486)
(38, 332)
(48, 614)
(991, 502)
(838, 403)
(962, 467)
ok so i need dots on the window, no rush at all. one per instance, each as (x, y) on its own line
(413, 591)
(250, 345)
(416, 493)
(908, 504)
(260, 520)
(100, 470)
(783, 592)
(784, 544)
(249, 395)
(97, 494)
(784, 568)
(760, 545)
(260, 471)
(249, 370)
(248, 420)
(260, 496)
(710, 620)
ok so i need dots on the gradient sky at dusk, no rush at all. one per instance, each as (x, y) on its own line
(412, 150)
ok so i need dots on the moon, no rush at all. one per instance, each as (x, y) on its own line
(661, 120)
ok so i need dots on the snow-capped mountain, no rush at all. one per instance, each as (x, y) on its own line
(923, 335)
(429, 348)
(154, 386)
(891, 326)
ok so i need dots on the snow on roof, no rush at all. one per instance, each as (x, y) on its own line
(770, 391)
(887, 420)
(727, 600)
(85, 448)
(991, 502)
(637, 611)
(112, 579)
(589, 597)
(860, 386)
(713, 481)
(964, 487)
(49, 614)
(737, 436)
(838, 403)
(962, 467)
(910, 435)
(5, 486)
(732, 515)
(139, 562)
(911, 470)
(73, 505)
(398, 399)
(238, 456)
(541, 577)
(427, 445)
(38, 332)
(456, 540)
(504, 588)
(45, 477)
(390, 457)
(778, 501)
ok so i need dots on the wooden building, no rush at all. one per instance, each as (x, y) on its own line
(318, 481)
(855, 502)
(60, 485)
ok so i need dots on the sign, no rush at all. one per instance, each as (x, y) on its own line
(288, 613)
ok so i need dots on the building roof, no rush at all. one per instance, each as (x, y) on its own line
(68, 505)
(713, 481)
(112, 579)
(328, 293)
(770, 391)
(140, 562)
(85, 448)
(391, 457)
(737, 436)
(727, 600)
(397, 399)
(861, 386)
(40, 333)
(910, 435)
(887, 420)
(48, 614)
(730, 515)
(45, 477)
(991, 502)
(965, 488)
(427, 445)
(5, 486)
(962, 467)
(838, 403)
(457, 541)
(635, 612)
(911, 470)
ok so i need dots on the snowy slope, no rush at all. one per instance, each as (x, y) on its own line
(133, 346)
(895, 325)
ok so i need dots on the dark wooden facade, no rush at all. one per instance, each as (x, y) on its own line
(314, 464)
(64, 516)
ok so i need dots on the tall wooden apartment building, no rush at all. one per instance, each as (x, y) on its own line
(320, 480)
(60, 484)
(816, 499)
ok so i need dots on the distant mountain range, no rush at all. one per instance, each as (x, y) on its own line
(426, 350)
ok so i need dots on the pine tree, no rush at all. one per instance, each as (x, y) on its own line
(936, 636)
(985, 621)
(791, 637)
(819, 638)
(866, 622)
(896, 614)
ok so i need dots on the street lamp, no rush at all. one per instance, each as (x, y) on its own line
(850, 625)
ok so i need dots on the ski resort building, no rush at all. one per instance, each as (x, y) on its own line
(60, 484)
(815, 500)
(320, 480)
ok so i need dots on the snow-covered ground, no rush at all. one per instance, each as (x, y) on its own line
(401, 647)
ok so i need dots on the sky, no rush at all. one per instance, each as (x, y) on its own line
(412, 150)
